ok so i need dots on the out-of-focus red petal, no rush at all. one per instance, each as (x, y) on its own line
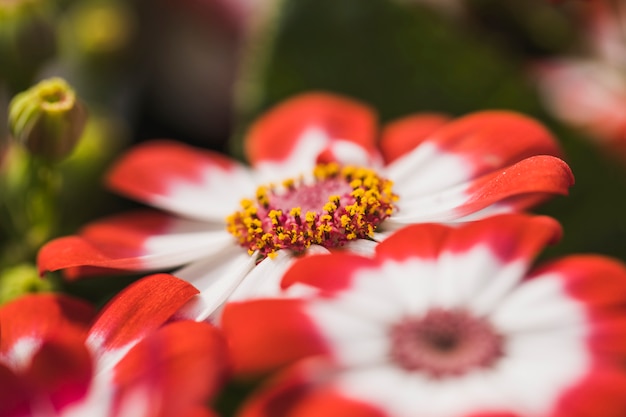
(509, 236)
(257, 331)
(14, 395)
(42, 316)
(601, 393)
(275, 134)
(61, 371)
(404, 135)
(300, 391)
(495, 139)
(147, 170)
(139, 309)
(183, 364)
(327, 272)
(600, 284)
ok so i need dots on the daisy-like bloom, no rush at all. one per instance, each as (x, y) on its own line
(320, 179)
(56, 360)
(441, 322)
(587, 91)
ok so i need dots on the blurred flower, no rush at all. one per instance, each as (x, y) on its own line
(441, 322)
(588, 90)
(321, 183)
(48, 119)
(129, 362)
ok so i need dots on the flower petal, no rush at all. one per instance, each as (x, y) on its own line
(600, 284)
(402, 136)
(293, 135)
(140, 240)
(260, 323)
(296, 392)
(175, 369)
(61, 371)
(191, 182)
(522, 183)
(216, 278)
(328, 273)
(14, 395)
(136, 311)
(467, 148)
(30, 320)
(509, 236)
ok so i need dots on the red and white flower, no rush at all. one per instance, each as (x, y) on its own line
(57, 360)
(587, 91)
(441, 322)
(319, 179)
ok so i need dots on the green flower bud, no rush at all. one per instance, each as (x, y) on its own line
(48, 119)
(20, 280)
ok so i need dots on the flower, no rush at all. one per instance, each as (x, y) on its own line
(48, 119)
(322, 181)
(587, 90)
(55, 360)
(441, 322)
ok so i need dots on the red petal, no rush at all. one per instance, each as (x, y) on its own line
(112, 242)
(182, 364)
(61, 370)
(139, 309)
(329, 272)
(495, 139)
(120, 243)
(301, 391)
(14, 395)
(253, 329)
(600, 284)
(533, 176)
(275, 134)
(75, 251)
(148, 170)
(601, 393)
(41, 317)
(509, 236)
(404, 135)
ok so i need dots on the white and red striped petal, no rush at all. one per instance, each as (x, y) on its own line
(150, 302)
(184, 180)
(140, 240)
(293, 136)
(28, 321)
(44, 365)
(505, 190)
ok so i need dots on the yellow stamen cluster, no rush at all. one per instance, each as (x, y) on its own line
(357, 201)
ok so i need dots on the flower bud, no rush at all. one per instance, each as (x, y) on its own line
(48, 119)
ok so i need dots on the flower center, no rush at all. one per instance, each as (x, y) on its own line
(445, 343)
(337, 205)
